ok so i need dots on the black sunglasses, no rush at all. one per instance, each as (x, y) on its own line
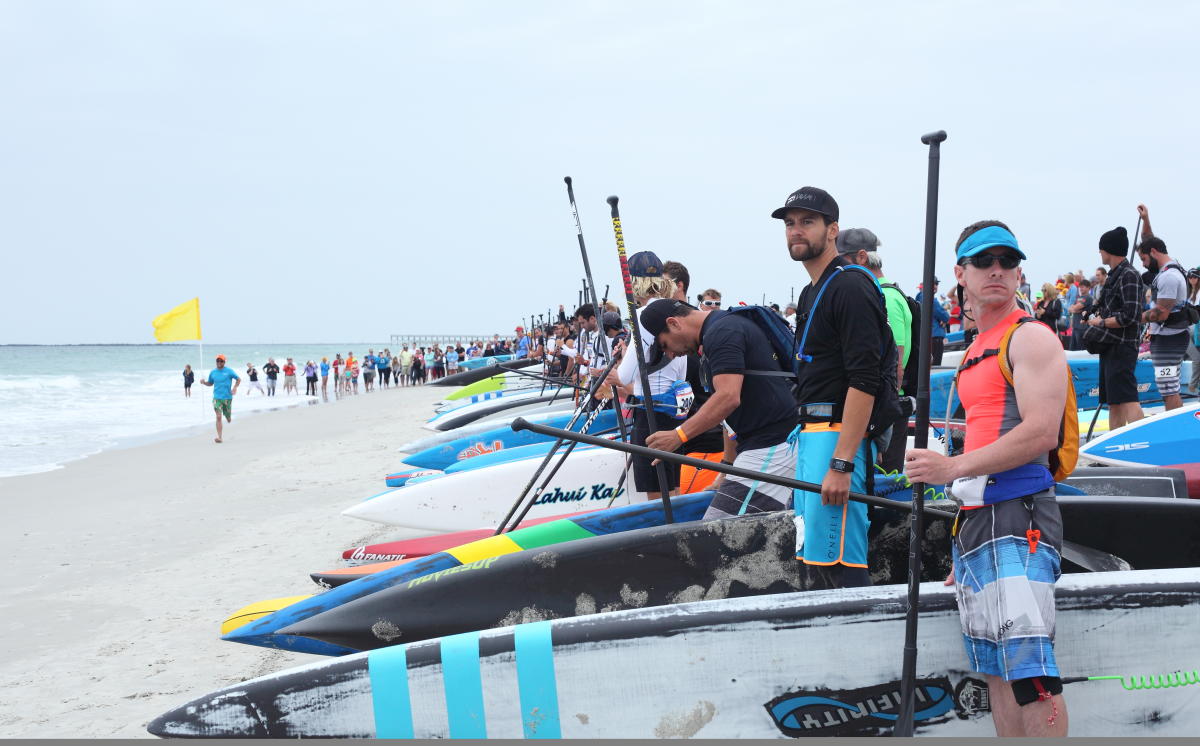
(984, 261)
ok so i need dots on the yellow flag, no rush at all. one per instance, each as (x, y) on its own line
(179, 324)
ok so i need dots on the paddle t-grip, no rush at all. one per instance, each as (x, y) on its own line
(933, 137)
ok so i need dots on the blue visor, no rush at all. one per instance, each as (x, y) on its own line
(982, 240)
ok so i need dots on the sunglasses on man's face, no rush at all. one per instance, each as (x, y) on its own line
(984, 261)
(712, 303)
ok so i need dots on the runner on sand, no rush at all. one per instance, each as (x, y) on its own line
(219, 378)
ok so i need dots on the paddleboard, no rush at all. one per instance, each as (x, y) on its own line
(488, 437)
(257, 610)
(1170, 439)
(472, 363)
(822, 663)
(746, 556)
(440, 439)
(462, 378)
(264, 632)
(500, 382)
(400, 478)
(469, 499)
(426, 545)
(506, 408)
(533, 450)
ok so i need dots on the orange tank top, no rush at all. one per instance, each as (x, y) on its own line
(990, 402)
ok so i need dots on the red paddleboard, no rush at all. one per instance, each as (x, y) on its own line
(426, 545)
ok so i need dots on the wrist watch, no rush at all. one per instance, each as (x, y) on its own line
(842, 465)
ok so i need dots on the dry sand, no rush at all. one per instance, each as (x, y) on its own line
(126, 563)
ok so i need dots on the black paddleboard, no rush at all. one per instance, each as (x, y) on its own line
(478, 374)
(730, 558)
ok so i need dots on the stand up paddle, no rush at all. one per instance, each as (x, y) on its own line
(635, 340)
(590, 284)
(908, 676)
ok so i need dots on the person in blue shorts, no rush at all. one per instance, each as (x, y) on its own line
(219, 378)
(845, 347)
(1008, 534)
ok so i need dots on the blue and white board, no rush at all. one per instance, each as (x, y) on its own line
(486, 439)
(1166, 439)
(478, 362)
(819, 663)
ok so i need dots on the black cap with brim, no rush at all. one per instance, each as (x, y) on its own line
(653, 320)
(812, 199)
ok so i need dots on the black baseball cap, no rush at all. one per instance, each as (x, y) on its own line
(653, 319)
(809, 198)
(611, 320)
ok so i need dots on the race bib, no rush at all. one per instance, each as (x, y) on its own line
(1166, 371)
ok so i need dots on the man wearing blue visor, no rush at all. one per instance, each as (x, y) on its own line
(1008, 533)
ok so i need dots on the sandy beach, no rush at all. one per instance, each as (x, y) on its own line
(128, 561)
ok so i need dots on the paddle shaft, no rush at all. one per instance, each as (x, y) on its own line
(1094, 560)
(590, 284)
(916, 527)
(554, 449)
(635, 340)
(521, 423)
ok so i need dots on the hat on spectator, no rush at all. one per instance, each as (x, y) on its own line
(645, 264)
(854, 240)
(1116, 241)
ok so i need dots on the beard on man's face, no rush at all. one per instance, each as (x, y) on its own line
(802, 251)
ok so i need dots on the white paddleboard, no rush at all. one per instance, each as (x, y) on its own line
(482, 497)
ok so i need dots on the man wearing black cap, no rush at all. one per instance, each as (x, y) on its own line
(848, 363)
(1113, 330)
(759, 409)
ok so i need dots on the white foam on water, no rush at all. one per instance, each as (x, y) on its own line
(59, 404)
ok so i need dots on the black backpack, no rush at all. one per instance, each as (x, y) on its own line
(909, 384)
(886, 409)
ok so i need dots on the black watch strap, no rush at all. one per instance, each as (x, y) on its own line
(842, 465)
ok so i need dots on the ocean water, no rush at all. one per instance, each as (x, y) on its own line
(61, 403)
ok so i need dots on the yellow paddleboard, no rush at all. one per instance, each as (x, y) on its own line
(257, 610)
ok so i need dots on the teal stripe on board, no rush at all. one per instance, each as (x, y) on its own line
(388, 669)
(536, 681)
(464, 686)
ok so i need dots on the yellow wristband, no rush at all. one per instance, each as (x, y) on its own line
(683, 438)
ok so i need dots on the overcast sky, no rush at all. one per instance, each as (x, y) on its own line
(346, 171)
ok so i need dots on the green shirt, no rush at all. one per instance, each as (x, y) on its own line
(899, 318)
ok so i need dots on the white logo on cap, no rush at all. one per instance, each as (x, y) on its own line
(797, 197)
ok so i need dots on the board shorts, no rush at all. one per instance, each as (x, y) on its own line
(829, 534)
(224, 407)
(1166, 353)
(289, 380)
(1005, 592)
(738, 496)
(1118, 381)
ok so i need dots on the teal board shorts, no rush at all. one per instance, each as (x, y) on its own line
(829, 534)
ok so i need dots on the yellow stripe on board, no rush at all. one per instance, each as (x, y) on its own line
(258, 610)
(492, 546)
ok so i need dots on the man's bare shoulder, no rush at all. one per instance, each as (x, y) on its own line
(1036, 344)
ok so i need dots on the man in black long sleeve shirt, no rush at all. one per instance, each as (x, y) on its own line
(844, 343)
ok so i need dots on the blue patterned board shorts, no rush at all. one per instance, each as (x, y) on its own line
(1005, 592)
